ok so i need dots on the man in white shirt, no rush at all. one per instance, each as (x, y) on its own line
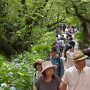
(78, 76)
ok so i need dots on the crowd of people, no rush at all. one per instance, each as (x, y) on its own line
(53, 74)
(66, 45)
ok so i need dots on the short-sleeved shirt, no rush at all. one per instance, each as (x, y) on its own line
(52, 85)
(76, 80)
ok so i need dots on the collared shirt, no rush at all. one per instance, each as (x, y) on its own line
(76, 80)
(59, 63)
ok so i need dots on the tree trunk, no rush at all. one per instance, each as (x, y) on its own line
(6, 47)
(88, 28)
(86, 35)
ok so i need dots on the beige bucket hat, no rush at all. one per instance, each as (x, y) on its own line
(79, 56)
(46, 65)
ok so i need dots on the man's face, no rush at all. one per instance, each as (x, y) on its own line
(80, 64)
(53, 53)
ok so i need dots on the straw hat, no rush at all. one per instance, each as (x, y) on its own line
(39, 61)
(79, 56)
(46, 65)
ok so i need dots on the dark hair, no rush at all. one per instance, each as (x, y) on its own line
(53, 49)
(70, 47)
(86, 51)
(36, 63)
(71, 38)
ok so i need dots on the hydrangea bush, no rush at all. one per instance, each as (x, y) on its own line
(17, 74)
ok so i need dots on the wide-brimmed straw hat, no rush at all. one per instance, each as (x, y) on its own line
(46, 65)
(79, 56)
(38, 61)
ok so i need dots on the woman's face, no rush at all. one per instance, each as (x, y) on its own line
(39, 67)
(50, 71)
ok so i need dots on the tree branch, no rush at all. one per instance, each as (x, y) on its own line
(51, 25)
(45, 3)
(81, 17)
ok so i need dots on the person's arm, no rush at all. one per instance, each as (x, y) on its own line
(64, 82)
(36, 84)
(34, 80)
(61, 68)
(35, 88)
(63, 86)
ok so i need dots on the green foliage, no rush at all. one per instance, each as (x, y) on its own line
(25, 25)
(18, 73)
(80, 38)
(22, 23)
(72, 21)
(47, 39)
(43, 45)
(37, 33)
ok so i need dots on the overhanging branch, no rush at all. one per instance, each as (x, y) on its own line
(51, 25)
(81, 17)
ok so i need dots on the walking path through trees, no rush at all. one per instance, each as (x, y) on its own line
(67, 44)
